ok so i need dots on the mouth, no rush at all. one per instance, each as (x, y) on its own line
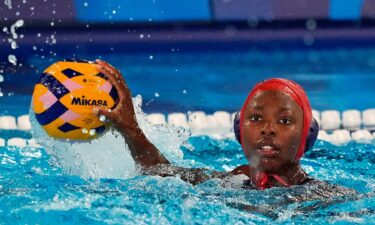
(267, 150)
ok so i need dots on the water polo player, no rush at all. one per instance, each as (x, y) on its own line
(275, 127)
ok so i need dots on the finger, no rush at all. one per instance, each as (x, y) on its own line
(113, 71)
(110, 68)
(119, 84)
(109, 71)
(109, 115)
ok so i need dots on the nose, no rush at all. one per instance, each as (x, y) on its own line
(268, 129)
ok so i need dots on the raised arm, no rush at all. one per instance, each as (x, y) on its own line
(142, 150)
(124, 120)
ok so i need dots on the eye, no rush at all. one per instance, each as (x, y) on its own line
(255, 117)
(285, 121)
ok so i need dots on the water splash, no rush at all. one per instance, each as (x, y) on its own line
(17, 24)
(12, 59)
(12, 40)
(8, 3)
(109, 156)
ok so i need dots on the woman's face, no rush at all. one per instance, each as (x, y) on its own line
(271, 132)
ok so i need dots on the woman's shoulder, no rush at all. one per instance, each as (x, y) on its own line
(326, 188)
(243, 169)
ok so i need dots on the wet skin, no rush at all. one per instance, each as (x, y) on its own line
(273, 119)
(271, 132)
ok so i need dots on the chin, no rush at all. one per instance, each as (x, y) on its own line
(269, 165)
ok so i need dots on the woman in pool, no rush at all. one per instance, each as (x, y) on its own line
(273, 129)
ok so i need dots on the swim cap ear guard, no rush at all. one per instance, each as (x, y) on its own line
(310, 139)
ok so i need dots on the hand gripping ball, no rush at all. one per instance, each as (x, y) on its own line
(64, 97)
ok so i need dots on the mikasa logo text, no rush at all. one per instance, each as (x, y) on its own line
(89, 102)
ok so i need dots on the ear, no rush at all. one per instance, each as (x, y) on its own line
(312, 135)
(236, 126)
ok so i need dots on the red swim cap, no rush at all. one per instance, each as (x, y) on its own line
(296, 92)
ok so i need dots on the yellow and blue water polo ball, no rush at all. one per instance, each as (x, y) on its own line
(65, 95)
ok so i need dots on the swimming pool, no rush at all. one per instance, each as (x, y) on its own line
(97, 183)
(177, 81)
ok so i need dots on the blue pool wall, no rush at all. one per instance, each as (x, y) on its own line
(153, 11)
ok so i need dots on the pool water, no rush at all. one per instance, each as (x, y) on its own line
(99, 183)
(34, 191)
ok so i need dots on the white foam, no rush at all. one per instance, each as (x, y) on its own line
(330, 120)
(2, 142)
(8, 123)
(198, 122)
(19, 142)
(24, 122)
(362, 136)
(109, 156)
(32, 143)
(223, 119)
(324, 136)
(156, 118)
(351, 119)
(232, 116)
(178, 119)
(368, 117)
(340, 137)
(219, 124)
(316, 115)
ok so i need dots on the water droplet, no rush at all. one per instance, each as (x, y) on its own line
(8, 3)
(12, 59)
(13, 45)
(52, 24)
(141, 36)
(184, 92)
(157, 94)
(311, 24)
(151, 57)
(84, 131)
(114, 12)
(253, 22)
(53, 39)
(85, 4)
(35, 48)
(230, 30)
(19, 23)
(102, 118)
(1, 78)
(92, 132)
(308, 39)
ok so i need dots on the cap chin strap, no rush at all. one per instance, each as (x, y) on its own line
(262, 180)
